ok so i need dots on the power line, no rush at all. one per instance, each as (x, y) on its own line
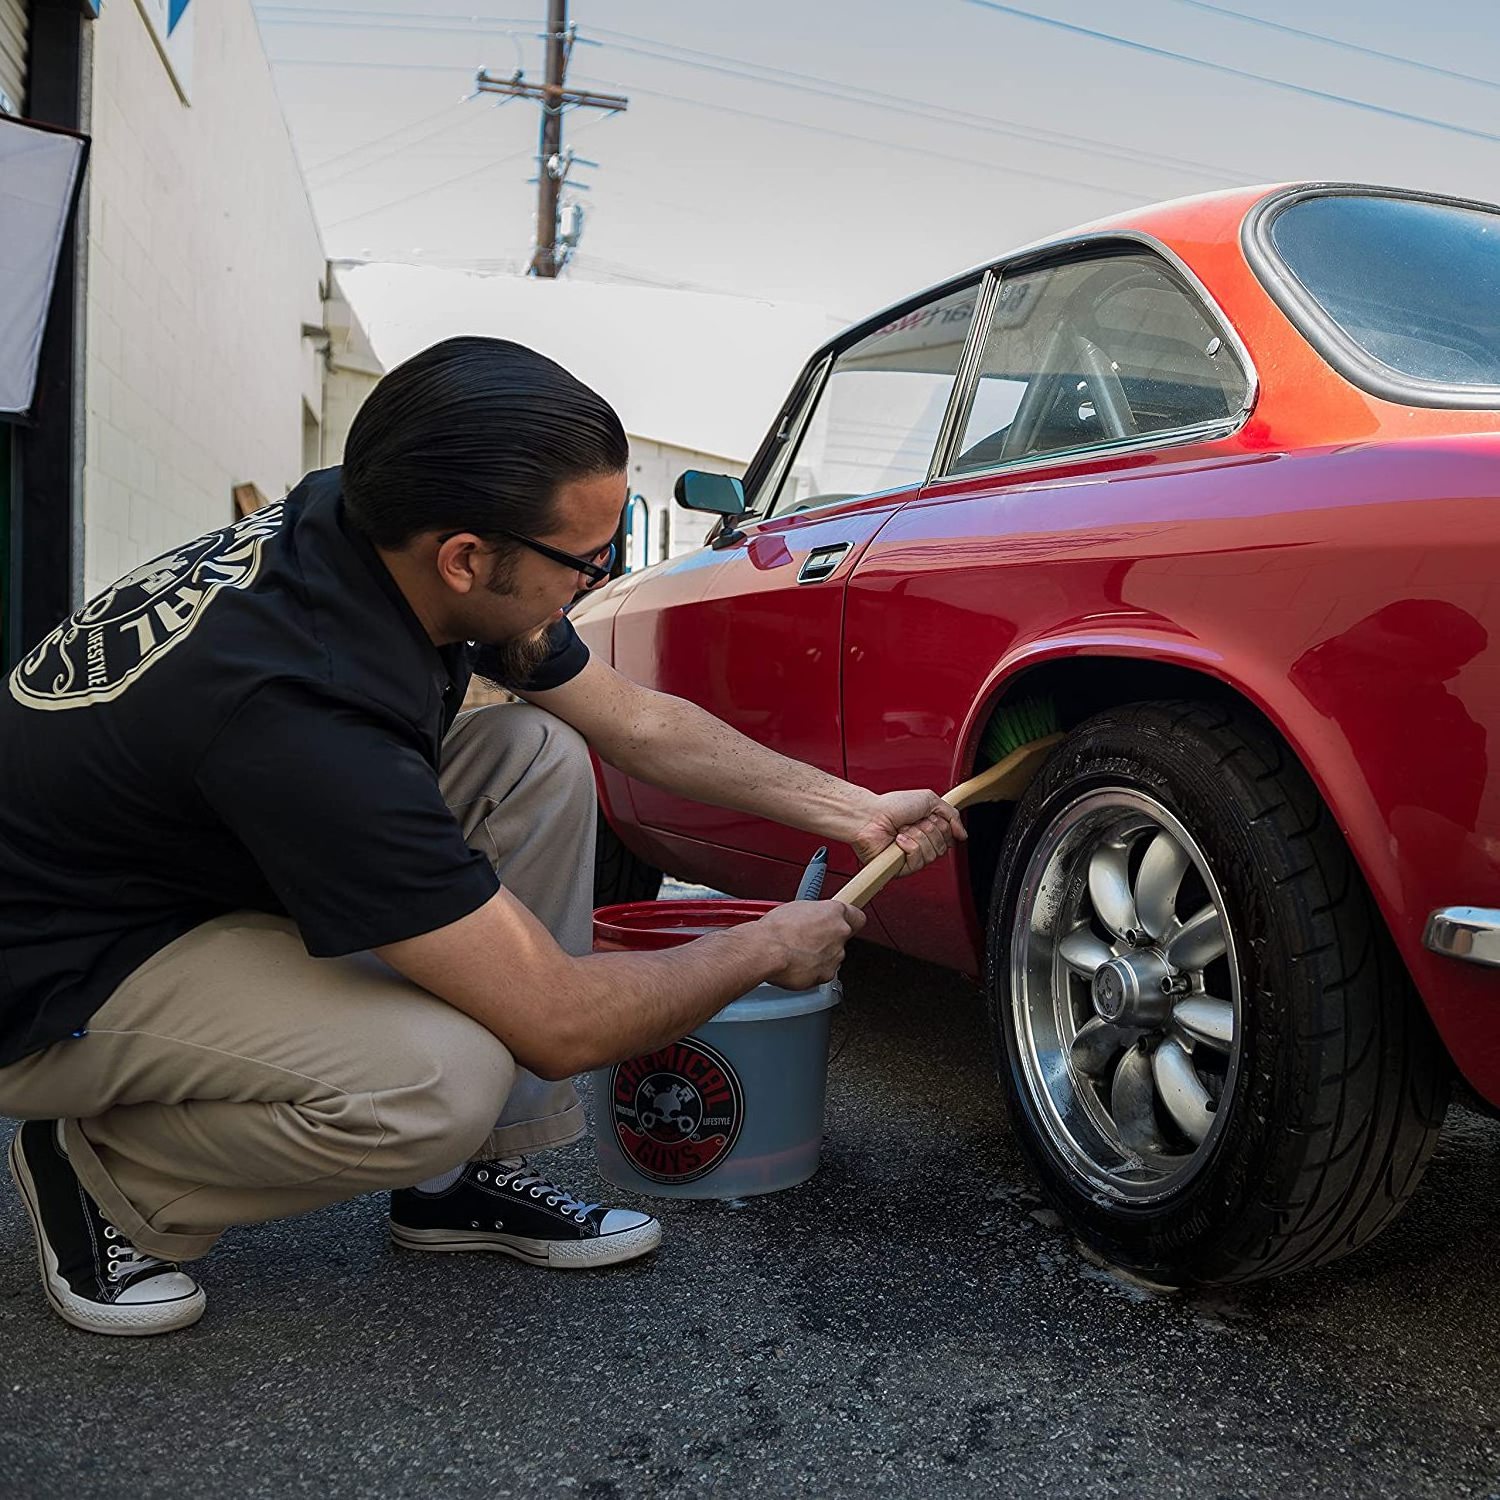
(904, 104)
(455, 22)
(1333, 41)
(852, 94)
(1241, 73)
(982, 164)
(452, 22)
(845, 135)
(380, 140)
(1003, 169)
(818, 86)
(296, 15)
(395, 151)
(347, 62)
(484, 166)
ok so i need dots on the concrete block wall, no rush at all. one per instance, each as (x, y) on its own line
(204, 262)
(345, 394)
(352, 369)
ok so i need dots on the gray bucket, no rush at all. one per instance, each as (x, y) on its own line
(733, 1110)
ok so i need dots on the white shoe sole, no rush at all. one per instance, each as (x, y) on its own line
(129, 1320)
(556, 1255)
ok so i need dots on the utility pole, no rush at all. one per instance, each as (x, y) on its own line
(553, 161)
(549, 182)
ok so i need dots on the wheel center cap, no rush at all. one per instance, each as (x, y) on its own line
(1109, 989)
(1131, 989)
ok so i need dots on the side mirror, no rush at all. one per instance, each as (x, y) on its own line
(718, 494)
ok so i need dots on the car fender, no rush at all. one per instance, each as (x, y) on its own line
(1405, 853)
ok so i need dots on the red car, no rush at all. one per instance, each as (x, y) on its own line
(1217, 482)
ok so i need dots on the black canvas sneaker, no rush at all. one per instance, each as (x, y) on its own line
(506, 1206)
(93, 1276)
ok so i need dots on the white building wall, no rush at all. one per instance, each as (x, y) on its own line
(654, 468)
(204, 264)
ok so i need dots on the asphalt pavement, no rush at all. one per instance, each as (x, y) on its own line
(912, 1322)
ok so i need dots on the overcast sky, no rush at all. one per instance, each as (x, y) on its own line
(876, 145)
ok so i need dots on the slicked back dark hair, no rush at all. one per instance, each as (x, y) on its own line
(473, 434)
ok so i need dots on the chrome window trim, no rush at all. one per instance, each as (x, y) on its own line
(1063, 251)
(965, 377)
(983, 282)
(782, 462)
(1307, 315)
(1176, 437)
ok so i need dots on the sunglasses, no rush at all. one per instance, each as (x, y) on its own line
(596, 569)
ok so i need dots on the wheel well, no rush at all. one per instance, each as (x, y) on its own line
(1079, 687)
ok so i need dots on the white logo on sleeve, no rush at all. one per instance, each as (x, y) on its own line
(97, 653)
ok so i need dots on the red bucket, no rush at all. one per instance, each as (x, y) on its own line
(737, 1107)
(644, 926)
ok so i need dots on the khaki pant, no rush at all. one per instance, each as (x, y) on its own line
(232, 1078)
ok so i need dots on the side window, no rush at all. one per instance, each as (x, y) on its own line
(875, 422)
(1094, 352)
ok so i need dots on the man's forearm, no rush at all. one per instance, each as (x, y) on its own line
(684, 749)
(624, 1004)
(559, 1014)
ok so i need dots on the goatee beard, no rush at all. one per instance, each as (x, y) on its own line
(512, 662)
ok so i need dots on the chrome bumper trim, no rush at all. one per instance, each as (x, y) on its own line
(1469, 932)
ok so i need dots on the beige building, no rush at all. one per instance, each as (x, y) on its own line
(210, 360)
(209, 350)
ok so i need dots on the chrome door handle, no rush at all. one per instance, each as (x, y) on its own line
(823, 562)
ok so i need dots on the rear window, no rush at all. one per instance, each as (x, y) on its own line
(1413, 285)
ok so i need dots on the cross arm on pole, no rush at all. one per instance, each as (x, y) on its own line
(548, 93)
(548, 258)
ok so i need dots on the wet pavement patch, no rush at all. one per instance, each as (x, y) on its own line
(914, 1321)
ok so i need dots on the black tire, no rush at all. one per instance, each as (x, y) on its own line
(1341, 1083)
(618, 874)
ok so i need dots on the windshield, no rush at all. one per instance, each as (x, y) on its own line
(1415, 285)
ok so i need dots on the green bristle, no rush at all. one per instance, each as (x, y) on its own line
(1016, 724)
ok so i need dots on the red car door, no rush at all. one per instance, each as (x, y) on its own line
(760, 647)
(760, 643)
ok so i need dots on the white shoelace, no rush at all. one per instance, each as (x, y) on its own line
(125, 1260)
(522, 1177)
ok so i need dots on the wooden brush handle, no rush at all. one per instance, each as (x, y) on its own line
(874, 877)
(1003, 782)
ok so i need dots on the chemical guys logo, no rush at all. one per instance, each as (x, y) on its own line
(678, 1111)
(113, 639)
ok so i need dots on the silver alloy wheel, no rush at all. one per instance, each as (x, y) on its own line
(1125, 995)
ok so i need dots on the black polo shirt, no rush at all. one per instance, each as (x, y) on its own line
(251, 721)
